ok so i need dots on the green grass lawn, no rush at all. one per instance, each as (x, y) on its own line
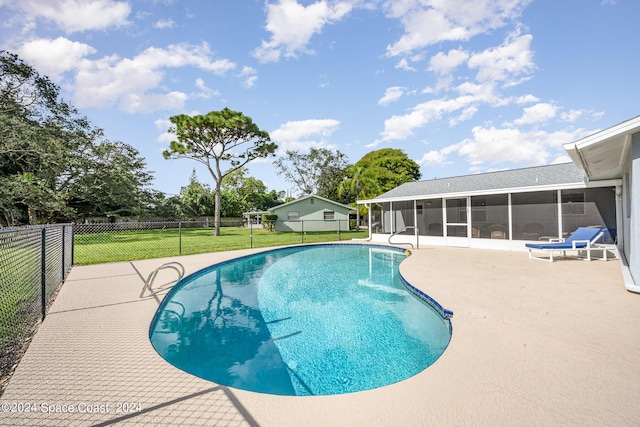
(143, 244)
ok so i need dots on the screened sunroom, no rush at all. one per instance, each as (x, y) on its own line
(495, 210)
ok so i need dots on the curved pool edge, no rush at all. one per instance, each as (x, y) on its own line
(394, 251)
(443, 312)
(446, 314)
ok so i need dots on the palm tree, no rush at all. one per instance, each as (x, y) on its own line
(360, 184)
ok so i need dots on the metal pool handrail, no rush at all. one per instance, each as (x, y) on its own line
(407, 243)
(148, 284)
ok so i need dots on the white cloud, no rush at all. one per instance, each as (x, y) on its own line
(128, 81)
(163, 24)
(76, 15)
(443, 64)
(497, 145)
(491, 148)
(205, 92)
(561, 159)
(503, 63)
(501, 66)
(303, 135)
(526, 99)
(400, 127)
(143, 102)
(392, 94)
(403, 64)
(427, 22)
(250, 76)
(467, 114)
(165, 136)
(433, 158)
(539, 113)
(292, 26)
(54, 57)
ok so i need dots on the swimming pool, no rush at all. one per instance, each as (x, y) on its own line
(305, 320)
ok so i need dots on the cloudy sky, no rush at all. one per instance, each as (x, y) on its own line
(462, 86)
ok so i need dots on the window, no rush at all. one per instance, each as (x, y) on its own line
(293, 216)
(329, 215)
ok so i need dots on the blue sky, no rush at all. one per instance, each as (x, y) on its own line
(462, 86)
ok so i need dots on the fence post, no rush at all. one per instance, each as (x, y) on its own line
(180, 237)
(73, 243)
(43, 271)
(63, 250)
(302, 230)
(339, 230)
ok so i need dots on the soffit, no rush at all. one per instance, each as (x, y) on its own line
(601, 155)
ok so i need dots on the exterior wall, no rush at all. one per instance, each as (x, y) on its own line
(630, 207)
(311, 216)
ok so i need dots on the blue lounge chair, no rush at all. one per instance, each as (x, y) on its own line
(583, 239)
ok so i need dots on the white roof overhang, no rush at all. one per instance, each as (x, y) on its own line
(601, 155)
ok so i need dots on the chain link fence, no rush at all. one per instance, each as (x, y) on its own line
(34, 262)
(128, 241)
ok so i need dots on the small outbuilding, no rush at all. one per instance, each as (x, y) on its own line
(312, 213)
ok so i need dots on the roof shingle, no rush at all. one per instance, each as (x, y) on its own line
(539, 176)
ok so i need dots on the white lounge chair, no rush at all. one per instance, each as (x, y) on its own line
(583, 239)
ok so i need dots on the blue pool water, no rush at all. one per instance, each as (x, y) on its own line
(307, 320)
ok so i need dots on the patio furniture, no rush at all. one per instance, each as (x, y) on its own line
(498, 231)
(532, 231)
(583, 239)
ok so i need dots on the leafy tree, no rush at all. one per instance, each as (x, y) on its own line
(36, 130)
(390, 167)
(52, 161)
(197, 198)
(251, 192)
(319, 171)
(271, 199)
(111, 181)
(359, 184)
(26, 193)
(167, 207)
(231, 204)
(24, 93)
(215, 138)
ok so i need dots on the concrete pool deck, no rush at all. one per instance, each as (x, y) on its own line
(534, 343)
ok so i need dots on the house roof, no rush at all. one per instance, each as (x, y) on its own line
(602, 154)
(310, 196)
(526, 179)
